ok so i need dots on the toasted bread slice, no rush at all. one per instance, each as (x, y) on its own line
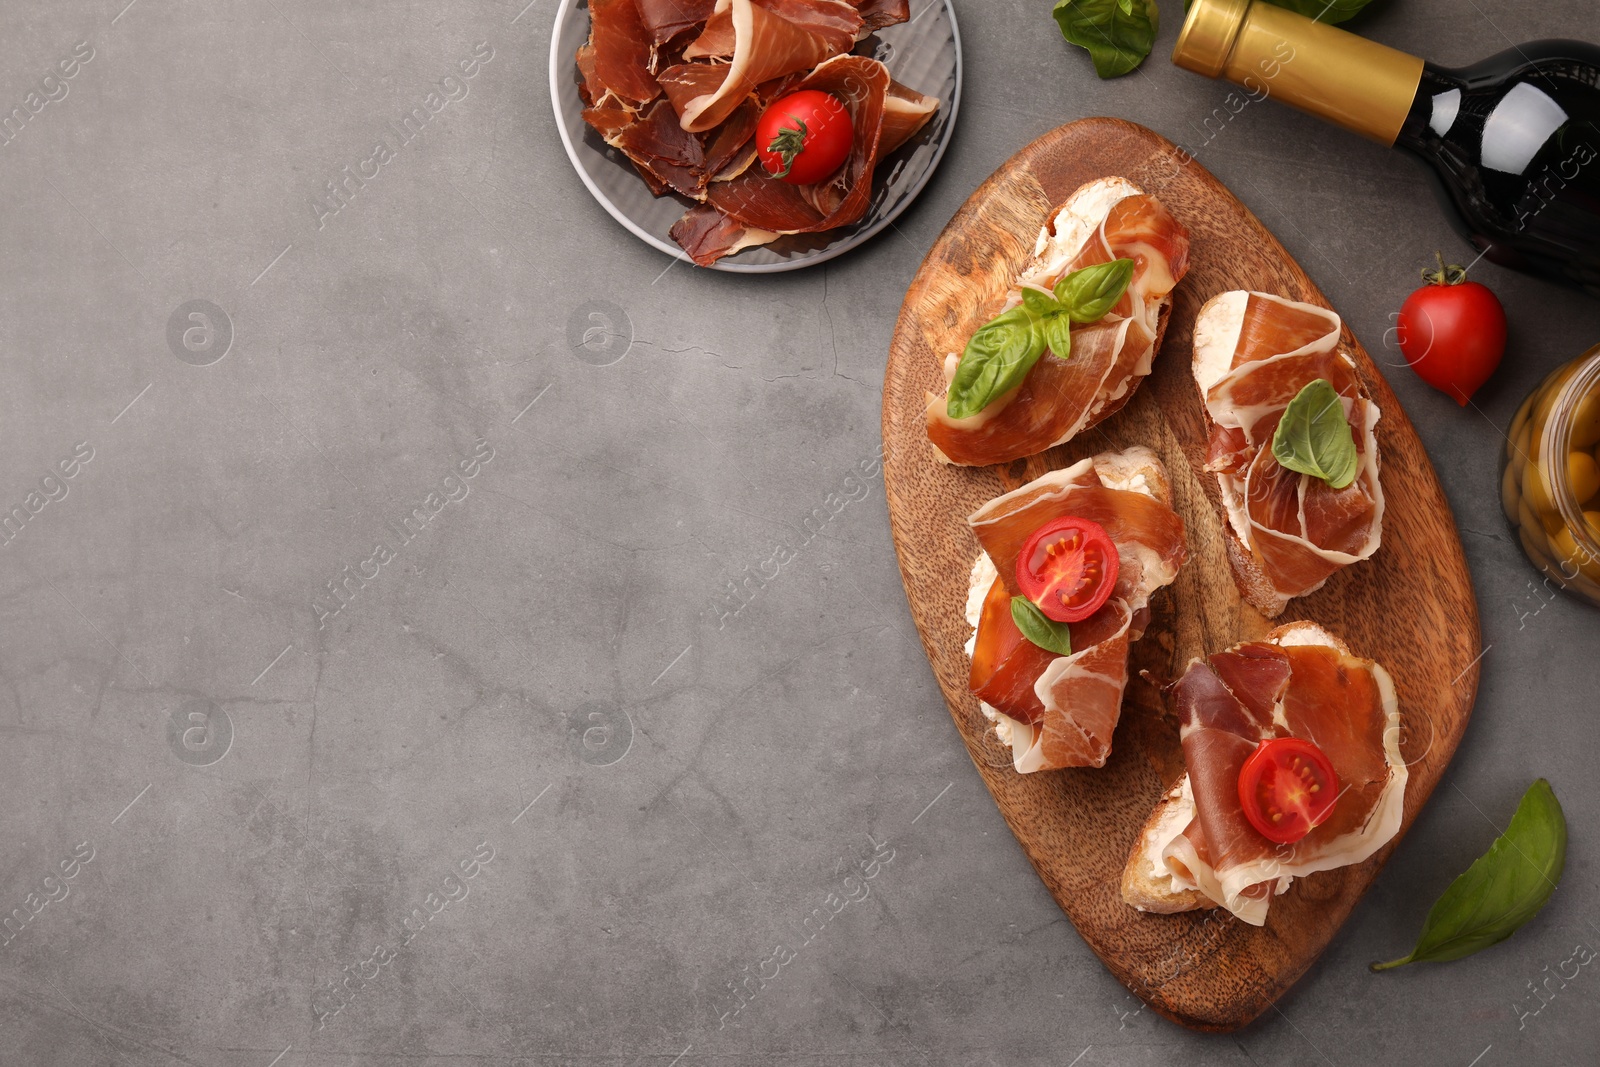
(1147, 884)
(1136, 468)
(1254, 585)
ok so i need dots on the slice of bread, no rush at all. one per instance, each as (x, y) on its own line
(1254, 585)
(1137, 468)
(1146, 882)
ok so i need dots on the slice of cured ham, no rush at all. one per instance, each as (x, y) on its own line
(707, 235)
(876, 14)
(665, 155)
(1300, 681)
(1104, 220)
(670, 19)
(621, 53)
(1061, 711)
(756, 199)
(769, 38)
(905, 111)
(1253, 352)
(837, 22)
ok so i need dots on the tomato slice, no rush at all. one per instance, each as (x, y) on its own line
(1068, 568)
(1287, 786)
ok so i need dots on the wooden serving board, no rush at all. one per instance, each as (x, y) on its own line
(1410, 607)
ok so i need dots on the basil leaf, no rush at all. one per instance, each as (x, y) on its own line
(1041, 303)
(1117, 33)
(1314, 437)
(1058, 336)
(1054, 321)
(1005, 349)
(997, 358)
(1088, 294)
(1039, 628)
(1503, 889)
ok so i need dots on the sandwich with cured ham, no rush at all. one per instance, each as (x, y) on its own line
(1077, 332)
(1292, 443)
(1291, 746)
(1059, 592)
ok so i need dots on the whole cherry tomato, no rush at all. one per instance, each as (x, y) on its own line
(804, 137)
(1452, 332)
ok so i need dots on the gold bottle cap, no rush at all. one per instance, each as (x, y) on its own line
(1208, 34)
(1360, 84)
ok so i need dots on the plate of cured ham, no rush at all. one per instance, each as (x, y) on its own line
(658, 103)
(1209, 761)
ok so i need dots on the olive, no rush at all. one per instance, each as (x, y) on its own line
(1583, 476)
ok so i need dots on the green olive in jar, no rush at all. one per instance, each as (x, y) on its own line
(1550, 480)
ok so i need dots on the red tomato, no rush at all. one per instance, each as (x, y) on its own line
(1452, 332)
(1287, 786)
(804, 137)
(1068, 568)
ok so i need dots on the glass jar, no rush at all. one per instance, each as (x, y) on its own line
(1550, 479)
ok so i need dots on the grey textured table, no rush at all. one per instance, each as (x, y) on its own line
(378, 680)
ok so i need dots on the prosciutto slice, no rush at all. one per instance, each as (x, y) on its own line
(837, 22)
(876, 14)
(1253, 353)
(762, 39)
(668, 157)
(1061, 711)
(620, 54)
(756, 199)
(707, 235)
(665, 156)
(905, 111)
(668, 20)
(1300, 681)
(1061, 397)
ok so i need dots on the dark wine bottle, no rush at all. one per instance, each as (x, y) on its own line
(1512, 142)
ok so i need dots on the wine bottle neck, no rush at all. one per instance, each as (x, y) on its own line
(1348, 80)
